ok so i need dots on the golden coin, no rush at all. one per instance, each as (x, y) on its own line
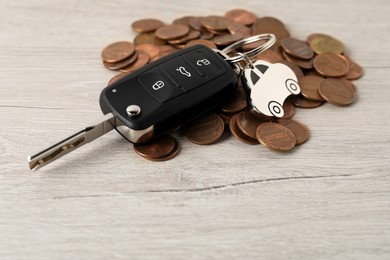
(321, 43)
(276, 137)
(235, 130)
(300, 131)
(151, 49)
(331, 64)
(215, 23)
(142, 59)
(296, 48)
(170, 32)
(143, 38)
(118, 51)
(206, 129)
(302, 102)
(309, 87)
(158, 148)
(146, 25)
(337, 92)
(201, 41)
(241, 16)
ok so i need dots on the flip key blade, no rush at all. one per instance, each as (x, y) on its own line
(72, 142)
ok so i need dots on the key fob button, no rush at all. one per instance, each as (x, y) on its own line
(186, 75)
(206, 63)
(159, 85)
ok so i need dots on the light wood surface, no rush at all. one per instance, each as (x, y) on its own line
(328, 199)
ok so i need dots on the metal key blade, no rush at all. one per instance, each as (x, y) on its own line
(72, 142)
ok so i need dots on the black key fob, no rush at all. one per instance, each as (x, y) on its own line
(164, 94)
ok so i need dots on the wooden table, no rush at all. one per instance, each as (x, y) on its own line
(328, 198)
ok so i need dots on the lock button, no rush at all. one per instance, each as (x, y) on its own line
(159, 85)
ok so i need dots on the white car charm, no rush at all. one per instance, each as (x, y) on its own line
(268, 85)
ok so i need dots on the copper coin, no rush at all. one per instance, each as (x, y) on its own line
(337, 92)
(151, 49)
(235, 130)
(118, 51)
(143, 38)
(331, 64)
(146, 25)
(298, 72)
(349, 83)
(142, 59)
(236, 103)
(226, 117)
(167, 48)
(300, 131)
(170, 32)
(226, 39)
(238, 28)
(355, 70)
(195, 23)
(192, 35)
(215, 23)
(289, 110)
(309, 87)
(200, 41)
(248, 123)
(206, 35)
(321, 43)
(271, 25)
(169, 156)
(183, 20)
(296, 48)
(304, 64)
(116, 78)
(158, 148)
(276, 137)
(121, 64)
(268, 55)
(302, 102)
(241, 16)
(206, 129)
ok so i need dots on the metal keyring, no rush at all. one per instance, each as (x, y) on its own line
(260, 37)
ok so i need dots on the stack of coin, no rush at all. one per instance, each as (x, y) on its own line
(323, 70)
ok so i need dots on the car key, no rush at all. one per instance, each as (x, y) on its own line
(160, 97)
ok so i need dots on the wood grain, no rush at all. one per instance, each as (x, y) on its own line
(329, 198)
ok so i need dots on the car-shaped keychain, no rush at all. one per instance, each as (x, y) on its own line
(268, 85)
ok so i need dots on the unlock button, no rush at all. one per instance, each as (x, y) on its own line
(159, 85)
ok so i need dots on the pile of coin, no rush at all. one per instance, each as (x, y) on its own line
(323, 70)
